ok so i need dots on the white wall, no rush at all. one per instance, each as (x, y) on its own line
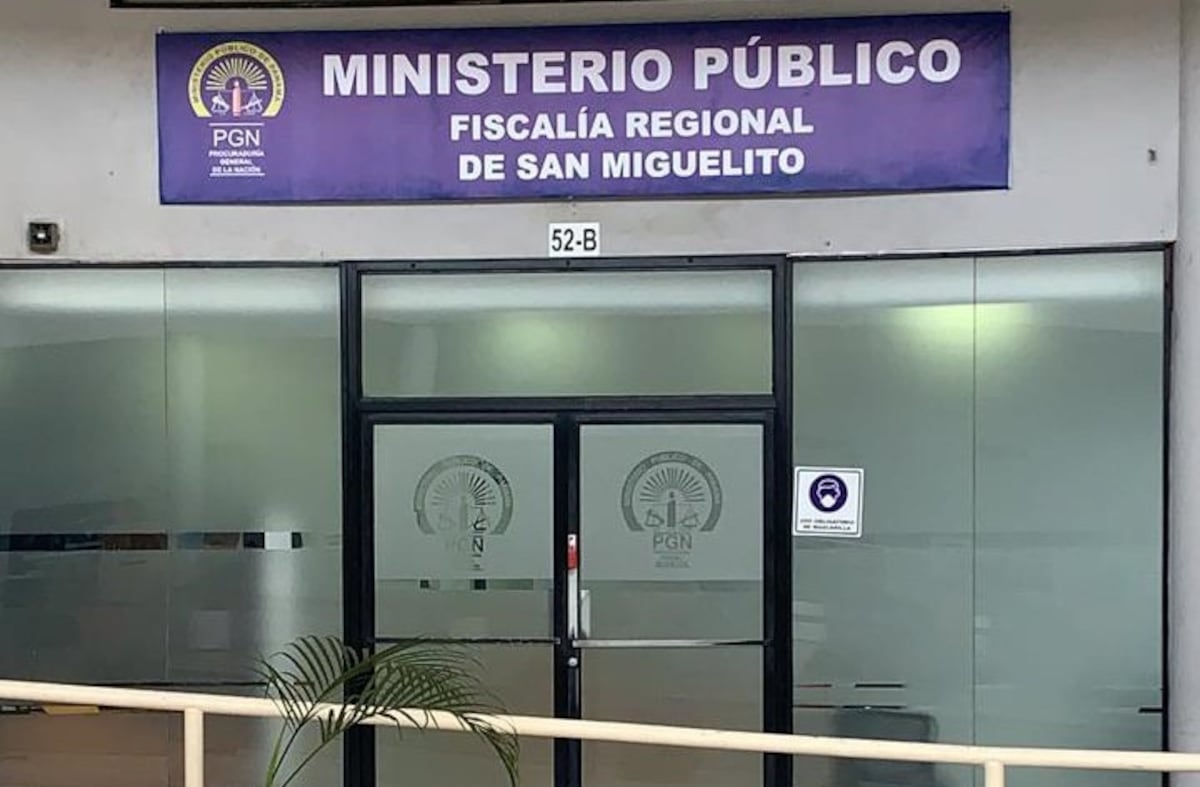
(1184, 461)
(1095, 88)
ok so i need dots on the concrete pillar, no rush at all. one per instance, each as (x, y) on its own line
(1183, 598)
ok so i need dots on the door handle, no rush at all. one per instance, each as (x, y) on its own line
(572, 588)
(585, 613)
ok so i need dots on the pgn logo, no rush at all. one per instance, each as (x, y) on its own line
(672, 543)
(467, 500)
(236, 138)
(466, 545)
(237, 87)
(236, 81)
(673, 496)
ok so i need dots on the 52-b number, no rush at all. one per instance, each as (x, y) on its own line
(575, 239)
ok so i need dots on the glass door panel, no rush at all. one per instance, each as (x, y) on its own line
(718, 687)
(671, 525)
(464, 528)
(669, 622)
(520, 678)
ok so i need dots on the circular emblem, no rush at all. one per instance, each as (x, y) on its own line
(236, 80)
(828, 493)
(463, 494)
(671, 489)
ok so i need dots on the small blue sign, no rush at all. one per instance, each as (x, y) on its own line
(828, 502)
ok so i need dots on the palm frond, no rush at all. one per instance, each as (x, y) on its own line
(406, 683)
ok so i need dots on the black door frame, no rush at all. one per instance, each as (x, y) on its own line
(774, 408)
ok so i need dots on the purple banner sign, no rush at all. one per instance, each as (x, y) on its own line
(761, 107)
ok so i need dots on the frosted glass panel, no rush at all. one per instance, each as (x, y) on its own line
(82, 481)
(567, 334)
(671, 523)
(1069, 514)
(883, 381)
(464, 524)
(696, 687)
(170, 502)
(254, 468)
(1008, 586)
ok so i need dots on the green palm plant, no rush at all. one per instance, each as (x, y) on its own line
(324, 685)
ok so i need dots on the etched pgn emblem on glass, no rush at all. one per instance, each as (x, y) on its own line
(674, 496)
(466, 500)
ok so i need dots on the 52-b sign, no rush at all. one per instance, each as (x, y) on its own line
(575, 239)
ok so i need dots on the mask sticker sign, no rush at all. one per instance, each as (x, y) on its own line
(828, 502)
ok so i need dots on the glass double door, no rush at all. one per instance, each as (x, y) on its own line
(601, 566)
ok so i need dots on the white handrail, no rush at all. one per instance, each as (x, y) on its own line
(993, 759)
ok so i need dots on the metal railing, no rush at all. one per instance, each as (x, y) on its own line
(993, 759)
